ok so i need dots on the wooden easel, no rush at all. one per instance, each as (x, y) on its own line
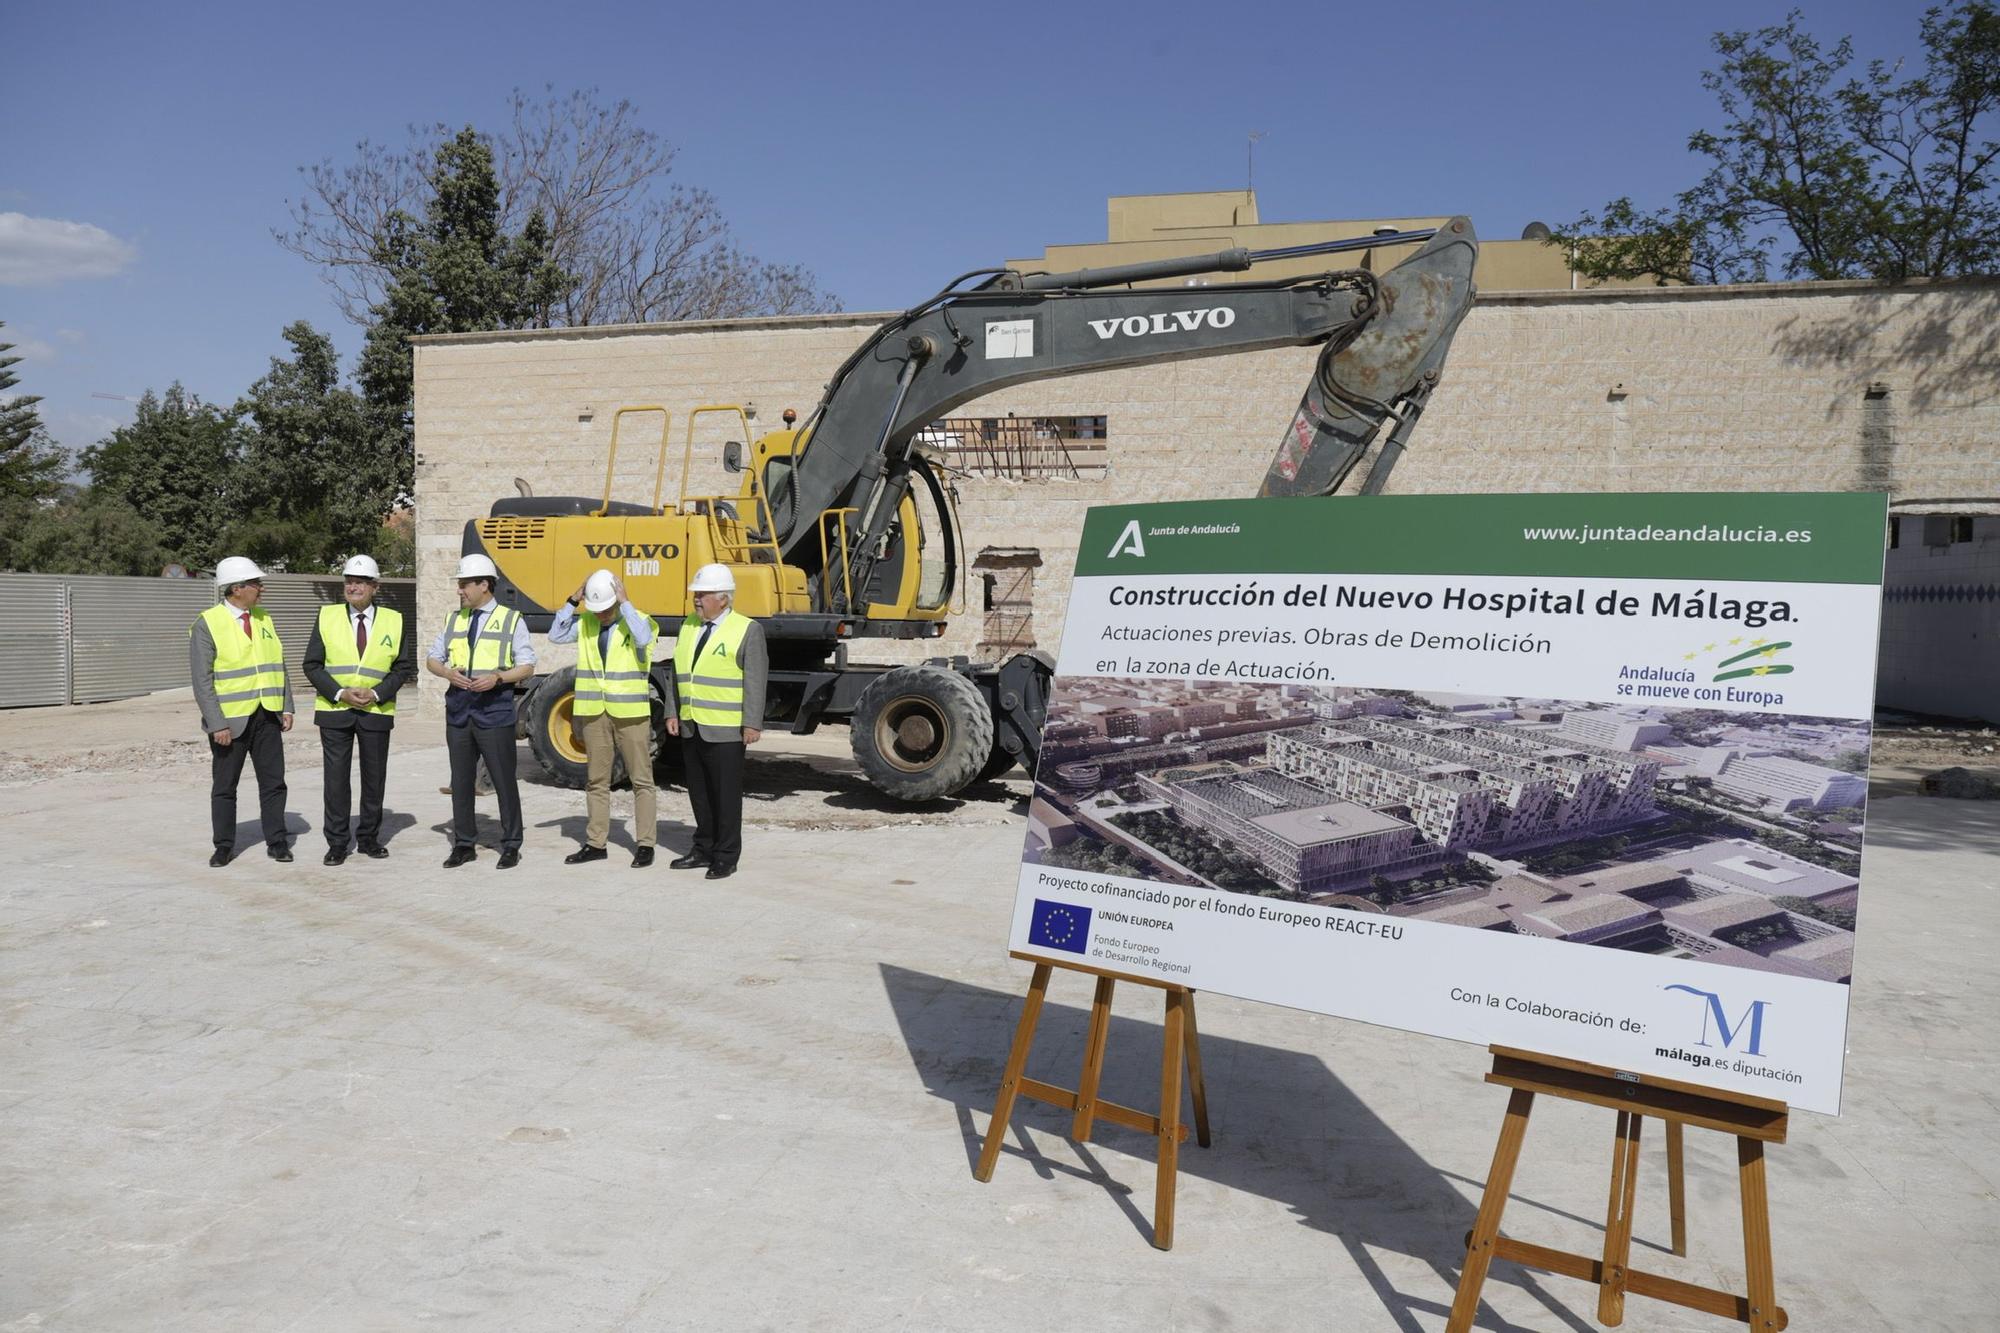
(1182, 1041)
(1754, 1121)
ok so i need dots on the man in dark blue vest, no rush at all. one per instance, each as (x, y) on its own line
(482, 651)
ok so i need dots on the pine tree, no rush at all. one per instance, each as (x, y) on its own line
(31, 464)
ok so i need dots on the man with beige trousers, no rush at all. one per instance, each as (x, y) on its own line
(613, 708)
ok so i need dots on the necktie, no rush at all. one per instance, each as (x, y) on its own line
(245, 617)
(702, 642)
(472, 639)
(360, 631)
(604, 645)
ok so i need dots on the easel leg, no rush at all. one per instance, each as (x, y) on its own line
(1677, 1188)
(1195, 1082)
(1486, 1230)
(1010, 1081)
(1618, 1220)
(1172, 1053)
(1757, 1236)
(1093, 1061)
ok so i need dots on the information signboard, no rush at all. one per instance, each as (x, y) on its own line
(1583, 775)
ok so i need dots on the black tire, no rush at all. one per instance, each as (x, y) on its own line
(669, 770)
(921, 732)
(555, 744)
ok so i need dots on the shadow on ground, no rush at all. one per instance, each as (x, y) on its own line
(1357, 1181)
(1935, 823)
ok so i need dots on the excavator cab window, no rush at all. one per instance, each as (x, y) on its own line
(775, 473)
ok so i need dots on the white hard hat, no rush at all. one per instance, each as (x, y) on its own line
(362, 567)
(477, 567)
(236, 569)
(713, 578)
(598, 593)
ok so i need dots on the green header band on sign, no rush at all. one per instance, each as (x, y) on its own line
(1804, 537)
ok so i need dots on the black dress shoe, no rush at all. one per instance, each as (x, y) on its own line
(582, 854)
(280, 853)
(688, 862)
(334, 856)
(508, 860)
(719, 872)
(459, 856)
(642, 858)
(373, 849)
(221, 856)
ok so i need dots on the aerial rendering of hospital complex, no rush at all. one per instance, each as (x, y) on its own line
(1457, 810)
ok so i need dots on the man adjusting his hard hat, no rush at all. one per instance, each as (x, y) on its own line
(612, 708)
(483, 650)
(238, 669)
(716, 708)
(352, 660)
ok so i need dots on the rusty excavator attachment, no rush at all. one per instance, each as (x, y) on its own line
(1383, 373)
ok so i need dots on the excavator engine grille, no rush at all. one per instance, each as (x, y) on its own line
(511, 534)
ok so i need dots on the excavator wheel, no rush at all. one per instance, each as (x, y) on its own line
(556, 745)
(921, 732)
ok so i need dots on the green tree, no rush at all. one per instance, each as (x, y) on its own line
(176, 467)
(85, 532)
(634, 245)
(1816, 175)
(31, 464)
(395, 550)
(316, 481)
(452, 271)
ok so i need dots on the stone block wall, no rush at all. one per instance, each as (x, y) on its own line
(1828, 386)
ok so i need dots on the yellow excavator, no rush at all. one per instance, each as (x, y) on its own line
(846, 528)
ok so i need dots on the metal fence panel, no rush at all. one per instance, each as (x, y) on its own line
(34, 641)
(86, 638)
(129, 636)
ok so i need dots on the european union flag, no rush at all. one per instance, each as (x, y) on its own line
(1059, 926)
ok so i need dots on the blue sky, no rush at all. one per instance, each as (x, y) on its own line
(886, 148)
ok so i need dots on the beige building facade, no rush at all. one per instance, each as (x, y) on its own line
(1774, 387)
(1141, 227)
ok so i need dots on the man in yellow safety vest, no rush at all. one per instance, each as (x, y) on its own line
(612, 707)
(237, 666)
(483, 651)
(353, 660)
(716, 708)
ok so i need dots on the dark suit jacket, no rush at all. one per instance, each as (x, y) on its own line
(322, 681)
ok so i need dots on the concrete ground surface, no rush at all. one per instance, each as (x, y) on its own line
(391, 1096)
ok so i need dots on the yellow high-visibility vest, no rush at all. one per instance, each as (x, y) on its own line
(358, 671)
(711, 690)
(617, 686)
(249, 669)
(493, 654)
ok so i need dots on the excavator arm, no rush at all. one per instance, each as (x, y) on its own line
(1385, 338)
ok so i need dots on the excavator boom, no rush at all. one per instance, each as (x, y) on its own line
(1384, 336)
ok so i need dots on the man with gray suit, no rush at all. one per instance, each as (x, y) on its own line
(237, 667)
(716, 707)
